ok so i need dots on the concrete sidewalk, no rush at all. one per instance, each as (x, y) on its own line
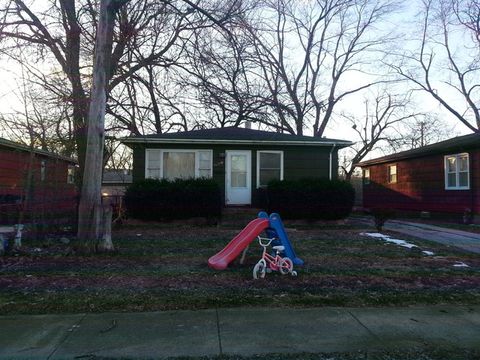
(238, 331)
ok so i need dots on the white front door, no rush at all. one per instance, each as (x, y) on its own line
(238, 177)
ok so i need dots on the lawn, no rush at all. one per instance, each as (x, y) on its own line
(164, 266)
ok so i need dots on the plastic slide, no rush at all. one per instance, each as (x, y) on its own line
(277, 230)
(221, 260)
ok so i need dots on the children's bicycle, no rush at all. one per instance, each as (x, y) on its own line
(270, 263)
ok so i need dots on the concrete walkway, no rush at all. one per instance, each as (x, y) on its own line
(238, 331)
(464, 240)
(461, 239)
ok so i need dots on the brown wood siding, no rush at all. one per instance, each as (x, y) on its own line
(53, 194)
(421, 186)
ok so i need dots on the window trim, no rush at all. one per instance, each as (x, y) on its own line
(258, 164)
(366, 179)
(197, 160)
(457, 172)
(389, 174)
(72, 180)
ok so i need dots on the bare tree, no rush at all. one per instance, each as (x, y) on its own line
(443, 66)
(308, 51)
(378, 126)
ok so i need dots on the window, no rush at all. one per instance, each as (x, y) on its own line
(457, 176)
(392, 174)
(173, 164)
(71, 174)
(269, 167)
(366, 176)
(43, 170)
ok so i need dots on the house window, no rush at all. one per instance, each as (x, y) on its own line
(269, 167)
(366, 176)
(392, 174)
(43, 170)
(457, 175)
(71, 174)
(174, 164)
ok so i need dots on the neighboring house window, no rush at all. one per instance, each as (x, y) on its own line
(269, 167)
(71, 174)
(392, 174)
(457, 175)
(173, 164)
(43, 170)
(366, 176)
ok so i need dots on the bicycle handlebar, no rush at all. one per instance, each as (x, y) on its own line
(268, 241)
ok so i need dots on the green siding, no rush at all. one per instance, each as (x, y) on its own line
(299, 161)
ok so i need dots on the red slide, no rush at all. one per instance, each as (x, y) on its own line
(221, 260)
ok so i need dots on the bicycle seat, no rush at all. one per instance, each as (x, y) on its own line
(278, 247)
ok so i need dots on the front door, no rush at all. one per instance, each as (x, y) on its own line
(238, 179)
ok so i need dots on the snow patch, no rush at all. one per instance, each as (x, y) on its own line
(390, 240)
(428, 253)
(460, 264)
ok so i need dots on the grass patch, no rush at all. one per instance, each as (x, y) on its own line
(162, 267)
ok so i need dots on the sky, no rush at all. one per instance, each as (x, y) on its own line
(403, 22)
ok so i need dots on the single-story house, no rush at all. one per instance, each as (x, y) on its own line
(442, 177)
(239, 159)
(115, 181)
(51, 188)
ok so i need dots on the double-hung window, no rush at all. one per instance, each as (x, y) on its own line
(457, 174)
(269, 167)
(392, 174)
(366, 176)
(178, 164)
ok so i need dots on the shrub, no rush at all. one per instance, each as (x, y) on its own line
(311, 199)
(153, 199)
(380, 216)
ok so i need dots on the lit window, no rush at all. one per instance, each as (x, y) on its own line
(366, 176)
(457, 175)
(392, 174)
(43, 170)
(178, 164)
(269, 167)
(71, 174)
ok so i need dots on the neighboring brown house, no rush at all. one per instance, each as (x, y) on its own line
(442, 177)
(36, 181)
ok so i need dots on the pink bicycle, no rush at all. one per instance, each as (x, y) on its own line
(272, 263)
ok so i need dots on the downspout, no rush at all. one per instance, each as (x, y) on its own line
(331, 162)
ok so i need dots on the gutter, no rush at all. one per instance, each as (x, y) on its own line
(331, 162)
(224, 141)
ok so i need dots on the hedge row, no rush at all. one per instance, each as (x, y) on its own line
(153, 199)
(312, 199)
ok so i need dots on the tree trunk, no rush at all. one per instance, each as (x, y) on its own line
(90, 207)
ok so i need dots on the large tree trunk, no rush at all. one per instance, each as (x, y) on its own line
(90, 207)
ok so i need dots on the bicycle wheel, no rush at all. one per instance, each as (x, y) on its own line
(285, 266)
(259, 270)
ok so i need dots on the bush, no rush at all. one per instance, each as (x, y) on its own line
(153, 199)
(380, 216)
(311, 199)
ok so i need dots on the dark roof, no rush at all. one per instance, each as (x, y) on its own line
(123, 176)
(457, 144)
(235, 135)
(22, 147)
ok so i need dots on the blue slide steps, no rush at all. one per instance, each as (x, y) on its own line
(276, 230)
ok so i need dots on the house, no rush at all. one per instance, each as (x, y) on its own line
(39, 182)
(438, 178)
(115, 181)
(239, 159)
